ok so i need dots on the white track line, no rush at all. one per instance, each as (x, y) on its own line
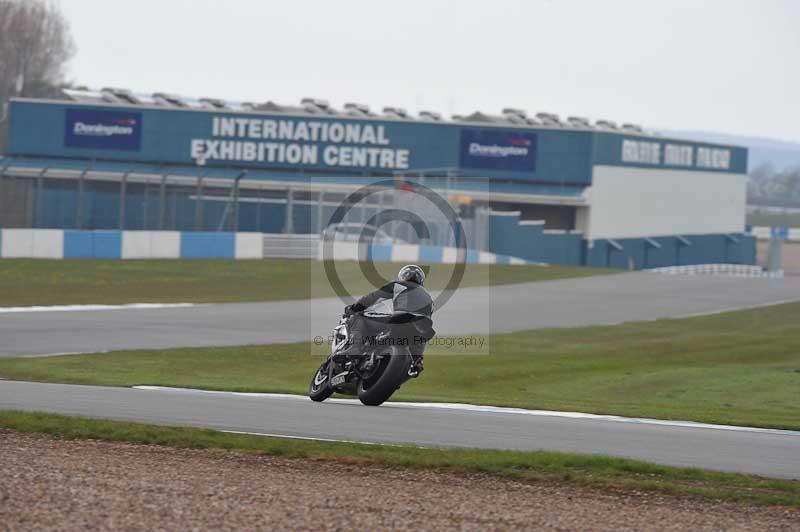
(83, 308)
(63, 354)
(308, 438)
(743, 307)
(490, 409)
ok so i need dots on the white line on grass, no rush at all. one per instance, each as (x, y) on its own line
(307, 438)
(489, 409)
(82, 308)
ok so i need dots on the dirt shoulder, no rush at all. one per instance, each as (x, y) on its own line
(53, 484)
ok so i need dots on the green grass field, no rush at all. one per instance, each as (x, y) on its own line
(739, 368)
(774, 220)
(26, 282)
(537, 466)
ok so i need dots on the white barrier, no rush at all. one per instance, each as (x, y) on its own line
(341, 251)
(278, 245)
(765, 233)
(33, 243)
(151, 244)
(731, 270)
(449, 255)
(484, 257)
(249, 246)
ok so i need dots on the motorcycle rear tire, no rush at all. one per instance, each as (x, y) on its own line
(394, 374)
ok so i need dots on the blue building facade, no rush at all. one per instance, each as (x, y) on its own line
(113, 167)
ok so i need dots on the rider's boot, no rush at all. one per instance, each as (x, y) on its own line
(416, 367)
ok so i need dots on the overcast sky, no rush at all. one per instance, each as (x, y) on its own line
(729, 66)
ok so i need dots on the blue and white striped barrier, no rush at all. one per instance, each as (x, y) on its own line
(791, 234)
(415, 253)
(731, 270)
(68, 244)
(72, 244)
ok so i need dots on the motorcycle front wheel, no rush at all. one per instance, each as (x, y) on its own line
(319, 389)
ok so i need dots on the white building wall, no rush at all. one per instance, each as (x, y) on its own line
(637, 202)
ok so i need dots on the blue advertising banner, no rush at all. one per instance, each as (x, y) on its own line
(493, 149)
(101, 129)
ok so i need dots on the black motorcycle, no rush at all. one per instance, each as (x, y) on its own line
(373, 374)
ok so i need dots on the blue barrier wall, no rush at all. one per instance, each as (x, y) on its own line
(92, 244)
(640, 253)
(95, 244)
(78, 244)
(528, 241)
(200, 245)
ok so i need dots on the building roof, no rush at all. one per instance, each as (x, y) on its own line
(317, 106)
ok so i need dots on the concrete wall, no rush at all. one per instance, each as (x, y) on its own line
(638, 202)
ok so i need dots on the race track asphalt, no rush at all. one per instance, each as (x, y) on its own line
(767, 453)
(600, 300)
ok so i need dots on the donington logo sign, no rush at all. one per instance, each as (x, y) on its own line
(105, 130)
(498, 150)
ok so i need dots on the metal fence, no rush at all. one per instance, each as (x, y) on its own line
(87, 199)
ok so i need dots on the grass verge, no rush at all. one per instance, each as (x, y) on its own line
(26, 282)
(584, 470)
(773, 219)
(737, 368)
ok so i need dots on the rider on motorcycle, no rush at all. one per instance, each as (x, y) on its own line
(409, 319)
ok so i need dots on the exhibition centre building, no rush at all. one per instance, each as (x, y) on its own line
(535, 187)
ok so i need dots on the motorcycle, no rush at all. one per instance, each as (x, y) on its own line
(373, 374)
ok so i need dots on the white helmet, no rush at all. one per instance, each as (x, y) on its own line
(411, 272)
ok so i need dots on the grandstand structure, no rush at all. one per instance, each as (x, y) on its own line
(532, 186)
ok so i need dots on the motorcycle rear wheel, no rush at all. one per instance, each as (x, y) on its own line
(374, 392)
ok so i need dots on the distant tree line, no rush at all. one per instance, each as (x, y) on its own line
(35, 45)
(768, 182)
